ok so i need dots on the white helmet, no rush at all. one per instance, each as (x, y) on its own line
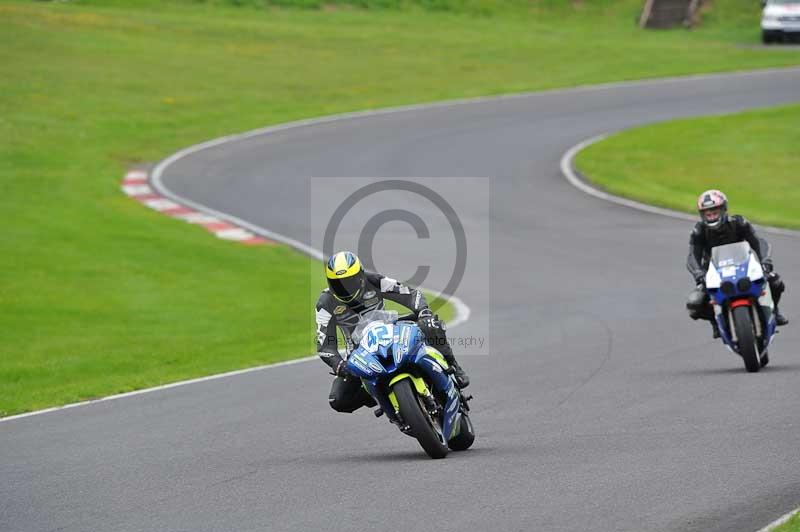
(713, 208)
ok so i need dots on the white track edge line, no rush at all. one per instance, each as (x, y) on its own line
(571, 174)
(780, 521)
(157, 388)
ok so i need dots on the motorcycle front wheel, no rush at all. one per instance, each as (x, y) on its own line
(748, 348)
(423, 427)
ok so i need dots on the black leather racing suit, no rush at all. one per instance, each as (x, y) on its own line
(347, 394)
(735, 229)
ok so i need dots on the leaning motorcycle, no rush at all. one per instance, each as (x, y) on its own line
(411, 382)
(742, 301)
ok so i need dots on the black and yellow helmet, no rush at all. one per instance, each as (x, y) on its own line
(345, 276)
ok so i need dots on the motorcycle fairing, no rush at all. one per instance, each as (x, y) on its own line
(376, 358)
(730, 264)
(443, 383)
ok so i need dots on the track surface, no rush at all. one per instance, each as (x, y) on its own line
(602, 407)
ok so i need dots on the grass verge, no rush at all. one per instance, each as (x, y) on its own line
(751, 156)
(792, 525)
(99, 295)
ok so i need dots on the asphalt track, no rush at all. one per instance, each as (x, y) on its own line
(602, 407)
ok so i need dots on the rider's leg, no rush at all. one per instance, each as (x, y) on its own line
(435, 336)
(347, 395)
(777, 287)
(699, 306)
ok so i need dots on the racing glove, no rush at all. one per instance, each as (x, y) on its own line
(425, 313)
(431, 320)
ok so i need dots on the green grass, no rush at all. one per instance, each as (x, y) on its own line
(752, 157)
(793, 525)
(99, 295)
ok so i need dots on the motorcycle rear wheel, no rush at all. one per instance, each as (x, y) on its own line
(422, 426)
(748, 348)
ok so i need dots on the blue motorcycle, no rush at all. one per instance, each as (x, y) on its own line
(411, 382)
(742, 301)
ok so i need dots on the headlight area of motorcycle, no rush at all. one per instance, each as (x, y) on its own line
(728, 288)
(744, 284)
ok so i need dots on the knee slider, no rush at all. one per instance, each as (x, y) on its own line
(697, 305)
(696, 300)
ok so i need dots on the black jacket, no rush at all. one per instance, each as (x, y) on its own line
(332, 313)
(735, 229)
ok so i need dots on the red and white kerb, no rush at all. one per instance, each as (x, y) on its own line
(136, 185)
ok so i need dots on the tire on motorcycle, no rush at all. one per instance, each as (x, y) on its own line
(748, 348)
(465, 437)
(422, 426)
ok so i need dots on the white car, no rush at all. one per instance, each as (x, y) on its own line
(780, 19)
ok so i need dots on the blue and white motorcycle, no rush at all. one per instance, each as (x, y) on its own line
(742, 301)
(411, 382)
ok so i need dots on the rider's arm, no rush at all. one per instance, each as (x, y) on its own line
(694, 263)
(748, 232)
(393, 290)
(327, 341)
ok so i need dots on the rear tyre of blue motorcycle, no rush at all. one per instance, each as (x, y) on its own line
(422, 425)
(466, 435)
(745, 334)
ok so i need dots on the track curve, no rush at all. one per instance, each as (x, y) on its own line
(612, 412)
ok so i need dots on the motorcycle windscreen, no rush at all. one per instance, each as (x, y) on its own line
(368, 318)
(730, 255)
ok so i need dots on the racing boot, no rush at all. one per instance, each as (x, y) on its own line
(780, 319)
(715, 328)
(462, 379)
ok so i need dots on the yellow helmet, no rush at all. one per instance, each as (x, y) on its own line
(345, 276)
